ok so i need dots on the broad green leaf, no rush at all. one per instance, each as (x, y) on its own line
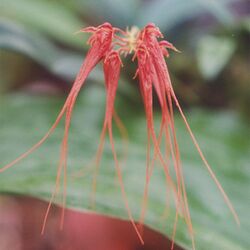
(48, 17)
(224, 139)
(213, 55)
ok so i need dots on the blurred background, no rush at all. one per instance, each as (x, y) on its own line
(41, 55)
(38, 44)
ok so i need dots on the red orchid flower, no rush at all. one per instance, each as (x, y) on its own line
(100, 42)
(155, 72)
(148, 79)
(107, 46)
(111, 66)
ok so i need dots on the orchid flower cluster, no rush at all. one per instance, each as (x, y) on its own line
(107, 45)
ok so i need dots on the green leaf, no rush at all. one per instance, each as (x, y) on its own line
(16, 38)
(48, 17)
(224, 139)
(213, 55)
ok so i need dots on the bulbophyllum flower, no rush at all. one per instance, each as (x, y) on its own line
(100, 42)
(107, 45)
(153, 73)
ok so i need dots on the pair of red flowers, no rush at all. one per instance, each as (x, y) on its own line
(107, 45)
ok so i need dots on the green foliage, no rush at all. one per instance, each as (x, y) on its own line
(213, 54)
(47, 17)
(17, 39)
(246, 24)
(224, 139)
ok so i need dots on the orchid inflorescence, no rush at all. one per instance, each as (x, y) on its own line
(107, 45)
